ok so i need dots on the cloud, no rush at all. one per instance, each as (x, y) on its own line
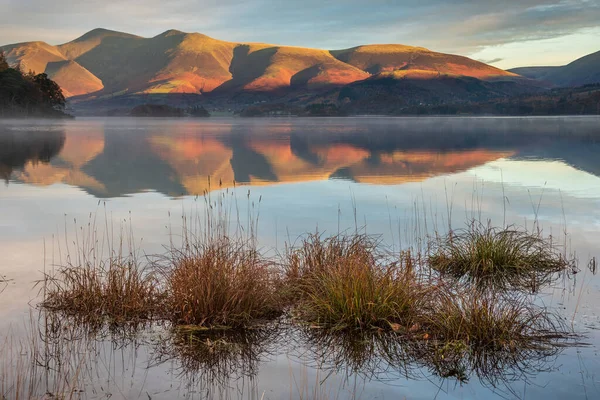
(459, 26)
(492, 61)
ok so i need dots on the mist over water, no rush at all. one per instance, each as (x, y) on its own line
(400, 178)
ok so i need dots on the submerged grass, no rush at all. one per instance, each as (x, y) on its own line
(504, 259)
(345, 282)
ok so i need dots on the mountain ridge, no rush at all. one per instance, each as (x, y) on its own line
(583, 71)
(103, 62)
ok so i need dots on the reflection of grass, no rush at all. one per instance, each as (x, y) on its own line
(500, 258)
(388, 356)
(3, 283)
(211, 358)
(47, 362)
(496, 369)
(345, 282)
(374, 354)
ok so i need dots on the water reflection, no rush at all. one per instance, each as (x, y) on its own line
(111, 159)
(213, 360)
(63, 357)
(389, 357)
(28, 148)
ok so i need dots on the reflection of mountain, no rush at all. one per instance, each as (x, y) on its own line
(194, 160)
(22, 149)
(401, 167)
(79, 149)
(177, 158)
(128, 165)
(581, 154)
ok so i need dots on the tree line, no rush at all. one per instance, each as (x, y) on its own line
(27, 94)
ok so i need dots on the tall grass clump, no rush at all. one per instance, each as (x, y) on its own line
(491, 321)
(504, 259)
(220, 282)
(118, 289)
(101, 278)
(346, 282)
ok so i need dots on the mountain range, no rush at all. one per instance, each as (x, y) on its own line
(106, 62)
(114, 69)
(583, 71)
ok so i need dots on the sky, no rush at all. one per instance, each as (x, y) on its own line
(503, 33)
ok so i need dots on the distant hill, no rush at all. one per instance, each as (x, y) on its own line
(583, 71)
(103, 64)
(582, 100)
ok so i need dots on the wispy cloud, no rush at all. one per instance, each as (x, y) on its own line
(492, 61)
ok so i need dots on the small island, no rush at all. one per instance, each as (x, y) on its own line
(286, 110)
(165, 111)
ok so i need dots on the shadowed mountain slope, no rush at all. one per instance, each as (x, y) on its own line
(583, 71)
(73, 79)
(32, 56)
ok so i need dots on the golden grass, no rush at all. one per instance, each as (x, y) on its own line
(361, 307)
(119, 290)
(491, 321)
(508, 258)
(344, 282)
(221, 282)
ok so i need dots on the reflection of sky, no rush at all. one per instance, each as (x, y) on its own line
(553, 175)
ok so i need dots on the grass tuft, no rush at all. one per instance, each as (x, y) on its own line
(118, 289)
(498, 258)
(492, 321)
(345, 282)
(220, 282)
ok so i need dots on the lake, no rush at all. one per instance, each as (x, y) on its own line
(398, 178)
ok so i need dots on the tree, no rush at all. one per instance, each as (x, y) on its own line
(3, 62)
(52, 93)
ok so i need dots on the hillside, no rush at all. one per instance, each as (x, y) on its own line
(32, 56)
(388, 58)
(104, 63)
(391, 92)
(73, 79)
(583, 100)
(583, 71)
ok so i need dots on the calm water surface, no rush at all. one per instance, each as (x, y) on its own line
(400, 178)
